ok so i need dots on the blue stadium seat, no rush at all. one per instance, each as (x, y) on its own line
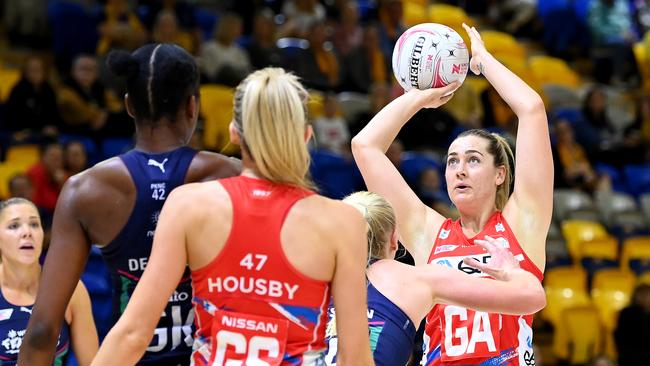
(206, 21)
(414, 163)
(334, 176)
(74, 29)
(115, 146)
(637, 178)
(618, 184)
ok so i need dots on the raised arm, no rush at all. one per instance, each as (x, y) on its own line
(515, 291)
(65, 261)
(530, 207)
(349, 288)
(417, 223)
(83, 333)
(128, 339)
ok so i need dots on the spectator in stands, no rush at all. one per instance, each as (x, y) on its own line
(48, 175)
(301, 16)
(633, 329)
(183, 12)
(87, 107)
(610, 24)
(638, 134)
(348, 33)
(262, 49)
(25, 23)
(466, 107)
(430, 191)
(223, 61)
(395, 152)
(331, 130)
(379, 96)
(31, 109)
(119, 27)
(391, 26)
(575, 166)
(318, 65)
(75, 157)
(366, 64)
(166, 30)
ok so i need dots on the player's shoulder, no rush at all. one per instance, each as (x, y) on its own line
(102, 178)
(208, 165)
(329, 214)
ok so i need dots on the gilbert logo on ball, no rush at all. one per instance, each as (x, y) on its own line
(429, 55)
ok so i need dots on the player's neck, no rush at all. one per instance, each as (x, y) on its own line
(473, 224)
(20, 277)
(156, 139)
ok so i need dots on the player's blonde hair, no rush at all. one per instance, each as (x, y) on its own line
(379, 215)
(270, 115)
(499, 148)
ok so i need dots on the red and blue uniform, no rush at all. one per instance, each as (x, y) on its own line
(456, 335)
(252, 305)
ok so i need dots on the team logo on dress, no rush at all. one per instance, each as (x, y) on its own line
(161, 166)
(445, 248)
(499, 227)
(25, 310)
(261, 193)
(13, 341)
(154, 217)
(444, 234)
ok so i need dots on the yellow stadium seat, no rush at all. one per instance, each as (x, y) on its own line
(315, 105)
(478, 83)
(503, 44)
(217, 108)
(8, 79)
(644, 278)
(565, 287)
(611, 292)
(635, 248)
(451, 16)
(577, 231)
(414, 13)
(23, 156)
(601, 248)
(580, 337)
(551, 70)
(641, 56)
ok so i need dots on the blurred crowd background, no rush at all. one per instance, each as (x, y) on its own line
(60, 112)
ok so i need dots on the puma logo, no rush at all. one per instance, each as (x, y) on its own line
(26, 310)
(159, 165)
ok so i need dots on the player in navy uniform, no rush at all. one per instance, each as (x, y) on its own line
(400, 296)
(21, 243)
(115, 204)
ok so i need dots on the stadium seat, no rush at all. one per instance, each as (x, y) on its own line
(637, 178)
(217, 108)
(557, 254)
(565, 287)
(315, 104)
(628, 224)
(568, 200)
(334, 176)
(206, 21)
(645, 206)
(23, 155)
(551, 70)
(414, 13)
(581, 337)
(611, 292)
(10, 78)
(74, 28)
(598, 254)
(554, 231)
(618, 184)
(644, 278)
(451, 16)
(503, 44)
(636, 254)
(641, 57)
(611, 204)
(575, 232)
(413, 163)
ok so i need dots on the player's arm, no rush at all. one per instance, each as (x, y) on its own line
(369, 149)
(533, 190)
(349, 288)
(128, 339)
(65, 261)
(83, 334)
(515, 291)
